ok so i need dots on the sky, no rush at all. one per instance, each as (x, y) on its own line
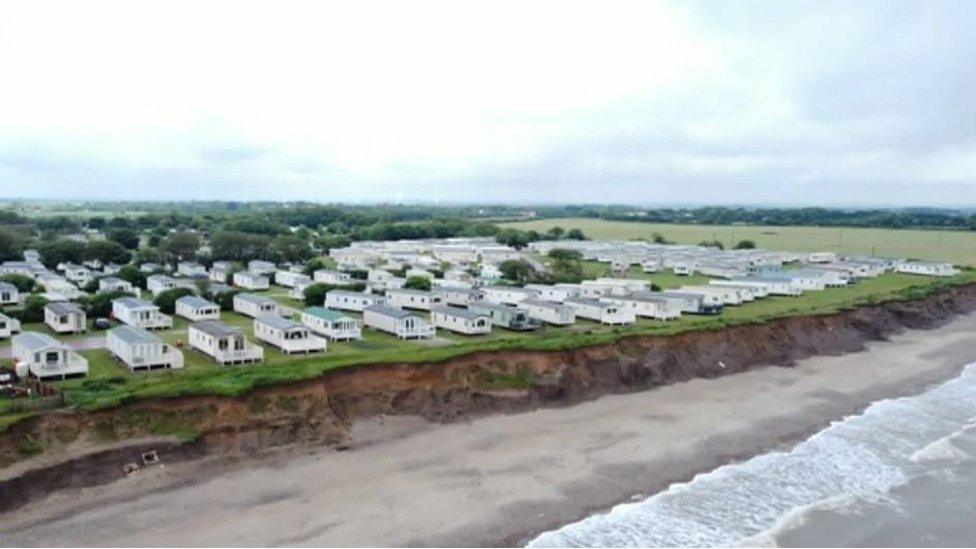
(866, 103)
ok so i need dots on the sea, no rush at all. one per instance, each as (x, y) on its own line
(902, 473)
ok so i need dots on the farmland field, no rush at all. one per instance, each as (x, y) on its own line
(956, 246)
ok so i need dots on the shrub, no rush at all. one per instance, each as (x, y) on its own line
(166, 301)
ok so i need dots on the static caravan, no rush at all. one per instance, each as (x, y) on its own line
(695, 303)
(457, 296)
(462, 321)
(150, 267)
(600, 311)
(774, 285)
(196, 308)
(834, 276)
(191, 269)
(595, 290)
(559, 292)
(805, 280)
(422, 273)
(628, 285)
(287, 335)
(549, 312)
(926, 268)
(78, 274)
(139, 313)
(115, 284)
(725, 294)
(250, 280)
(401, 323)
(223, 343)
(45, 358)
(750, 291)
(298, 291)
(507, 295)
(329, 276)
(141, 351)
(254, 305)
(8, 294)
(261, 267)
(159, 283)
(351, 301)
(8, 326)
(332, 324)
(290, 279)
(646, 305)
(506, 316)
(65, 318)
(220, 271)
(821, 257)
(412, 299)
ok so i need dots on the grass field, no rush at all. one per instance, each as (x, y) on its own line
(110, 384)
(958, 247)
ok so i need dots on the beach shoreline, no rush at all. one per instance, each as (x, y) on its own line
(495, 480)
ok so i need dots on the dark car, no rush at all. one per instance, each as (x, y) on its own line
(102, 324)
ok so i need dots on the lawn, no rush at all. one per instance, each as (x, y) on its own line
(109, 384)
(956, 246)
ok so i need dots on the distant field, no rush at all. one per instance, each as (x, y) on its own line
(956, 246)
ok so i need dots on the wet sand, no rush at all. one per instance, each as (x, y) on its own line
(494, 480)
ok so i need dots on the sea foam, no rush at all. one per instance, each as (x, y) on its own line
(857, 459)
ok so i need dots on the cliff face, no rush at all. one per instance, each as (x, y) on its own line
(322, 410)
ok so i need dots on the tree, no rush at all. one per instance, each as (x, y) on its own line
(658, 238)
(166, 301)
(555, 233)
(417, 283)
(132, 275)
(225, 299)
(238, 246)
(107, 251)
(23, 283)
(315, 294)
(314, 264)
(33, 310)
(289, 248)
(11, 245)
(564, 254)
(100, 305)
(126, 237)
(513, 237)
(61, 250)
(516, 270)
(575, 234)
(745, 245)
(181, 245)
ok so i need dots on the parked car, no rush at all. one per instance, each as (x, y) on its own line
(102, 324)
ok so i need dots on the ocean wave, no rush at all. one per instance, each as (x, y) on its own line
(857, 459)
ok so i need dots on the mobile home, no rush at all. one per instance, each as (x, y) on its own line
(254, 305)
(399, 322)
(332, 324)
(8, 294)
(549, 312)
(600, 311)
(329, 276)
(191, 269)
(926, 268)
(65, 318)
(139, 313)
(695, 303)
(196, 308)
(462, 321)
(351, 301)
(557, 292)
(287, 335)
(223, 343)
(250, 280)
(457, 296)
(506, 316)
(412, 299)
(646, 305)
(45, 358)
(115, 284)
(8, 326)
(140, 350)
(290, 279)
(507, 295)
(159, 283)
(261, 267)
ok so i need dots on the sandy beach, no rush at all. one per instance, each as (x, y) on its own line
(493, 480)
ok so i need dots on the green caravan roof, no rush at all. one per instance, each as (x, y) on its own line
(326, 314)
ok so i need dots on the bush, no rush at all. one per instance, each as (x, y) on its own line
(417, 283)
(33, 310)
(23, 283)
(166, 301)
(225, 299)
(132, 275)
(745, 245)
(315, 293)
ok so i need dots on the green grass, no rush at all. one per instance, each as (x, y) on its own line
(109, 384)
(958, 247)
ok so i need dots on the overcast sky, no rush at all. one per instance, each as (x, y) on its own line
(770, 102)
